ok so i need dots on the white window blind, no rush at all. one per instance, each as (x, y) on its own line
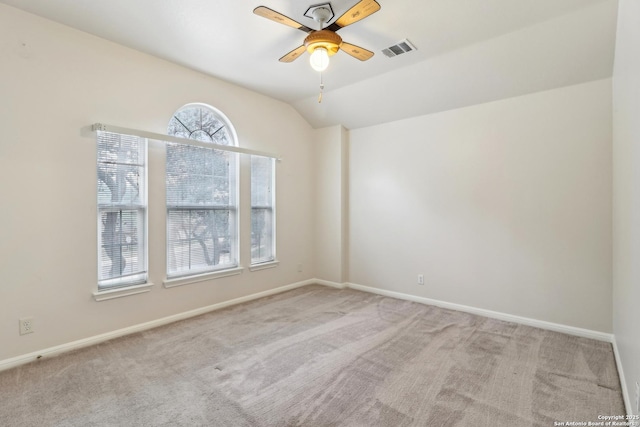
(122, 210)
(201, 195)
(262, 210)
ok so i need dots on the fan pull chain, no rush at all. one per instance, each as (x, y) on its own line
(321, 89)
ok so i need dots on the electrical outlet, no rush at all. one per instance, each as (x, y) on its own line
(637, 397)
(420, 279)
(26, 325)
(300, 268)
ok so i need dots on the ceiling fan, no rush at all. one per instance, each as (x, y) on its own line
(325, 42)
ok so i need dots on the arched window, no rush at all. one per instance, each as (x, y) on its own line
(203, 123)
(202, 188)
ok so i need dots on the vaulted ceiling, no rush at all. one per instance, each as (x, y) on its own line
(468, 51)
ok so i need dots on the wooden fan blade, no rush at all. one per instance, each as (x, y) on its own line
(271, 14)
(358, 12)
(356, 51)
(293, 55)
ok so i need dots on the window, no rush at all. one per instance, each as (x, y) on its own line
(122, 210)
(201, 194)
(262, 212)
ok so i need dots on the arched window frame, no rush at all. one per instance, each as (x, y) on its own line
(201, 200)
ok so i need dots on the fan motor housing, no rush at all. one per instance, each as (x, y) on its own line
(323, 38)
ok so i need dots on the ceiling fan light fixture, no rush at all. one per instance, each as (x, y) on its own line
(319, 59)
(321, 45)
(323, 38)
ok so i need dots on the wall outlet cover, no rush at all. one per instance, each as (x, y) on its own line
(26, 325)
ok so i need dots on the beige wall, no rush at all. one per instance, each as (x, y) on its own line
(331, 192)
(626, 192)
(54, 81)
(504, 206)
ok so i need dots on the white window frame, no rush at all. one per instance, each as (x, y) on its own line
(257, 263)
(130, 283)
(176, 278)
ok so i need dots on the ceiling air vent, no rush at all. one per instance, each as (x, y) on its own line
(399, 48)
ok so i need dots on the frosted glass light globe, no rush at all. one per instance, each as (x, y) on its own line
(319, 59)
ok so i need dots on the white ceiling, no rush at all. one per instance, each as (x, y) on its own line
(469, 51)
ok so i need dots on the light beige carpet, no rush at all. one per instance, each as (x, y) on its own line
(317, 356)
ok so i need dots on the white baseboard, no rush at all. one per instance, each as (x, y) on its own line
(52, 351)
(570, 330)
(623, 381)
(85, 342)
(329, 283)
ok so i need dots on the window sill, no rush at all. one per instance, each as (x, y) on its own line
(264, 265)
(121, 292)
(180, 281)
